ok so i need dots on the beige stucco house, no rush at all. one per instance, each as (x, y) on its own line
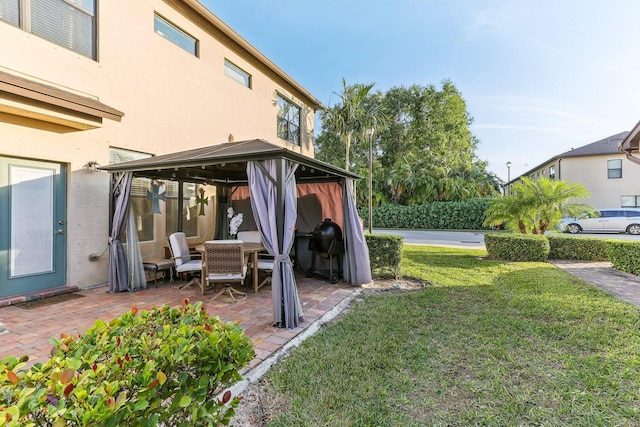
(611, 178)
(86, 83)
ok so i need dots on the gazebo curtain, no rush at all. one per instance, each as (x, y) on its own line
(272, 186)
(357, 251)
(118, 270)
(137, 279)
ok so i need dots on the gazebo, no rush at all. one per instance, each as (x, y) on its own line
(272, 174)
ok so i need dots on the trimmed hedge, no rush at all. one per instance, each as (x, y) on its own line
(625, 255)
(166, 366)
(517, 247)
(465, 215)
(578, 248)
(385, 253)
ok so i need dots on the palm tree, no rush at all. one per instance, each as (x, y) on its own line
(350, 117)
(507, 211)
(537, 205)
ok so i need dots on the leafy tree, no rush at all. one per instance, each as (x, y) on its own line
(423, 149)
(349, 118)
(537, 205)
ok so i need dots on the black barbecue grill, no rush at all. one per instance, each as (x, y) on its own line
(326, 242)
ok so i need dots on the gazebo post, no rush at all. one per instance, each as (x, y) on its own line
(280, 212)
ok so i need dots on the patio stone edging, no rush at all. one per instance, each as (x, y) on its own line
(254, 374)
(31, 296)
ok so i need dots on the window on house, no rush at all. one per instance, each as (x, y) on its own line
(189, 209)
(288, 121)
(614, 168)
(552, 171)
(237, 74)
(175, 35)
(630, 201)
(68, 23)
(141, 205)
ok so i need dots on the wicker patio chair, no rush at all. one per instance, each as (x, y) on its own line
(225, 263)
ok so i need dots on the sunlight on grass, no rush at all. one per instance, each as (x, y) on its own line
(488, 343)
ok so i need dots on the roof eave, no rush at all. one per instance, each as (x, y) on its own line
(250, 49)
(48, 94)
(632, 141)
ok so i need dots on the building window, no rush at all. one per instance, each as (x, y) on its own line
(552, 171)
(189, 209)
(630, 201)
(175, 35)
(237, 74)
(614, 169)
(68, 23)
(288, 121)
(141, 204)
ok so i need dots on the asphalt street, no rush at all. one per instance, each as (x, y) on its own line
(470, 239)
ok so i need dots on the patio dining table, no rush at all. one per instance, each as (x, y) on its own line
(250, 248)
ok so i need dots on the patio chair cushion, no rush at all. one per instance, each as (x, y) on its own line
(227, 276)
(189, 266)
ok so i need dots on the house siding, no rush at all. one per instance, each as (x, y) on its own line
(591, 172)
(171, 101)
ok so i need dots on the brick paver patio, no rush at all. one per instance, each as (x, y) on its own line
(27, 331)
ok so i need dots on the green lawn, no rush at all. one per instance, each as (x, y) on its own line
(488, 343)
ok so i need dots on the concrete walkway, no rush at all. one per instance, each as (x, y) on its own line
(602, 274)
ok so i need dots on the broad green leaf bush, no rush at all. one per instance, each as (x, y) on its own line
(625, 255)
(385, 253)
(464, 215)
(517, 247)
(145, 368)
(578, 248)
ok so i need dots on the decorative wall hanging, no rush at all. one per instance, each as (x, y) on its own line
(155, 196)
(202, 200)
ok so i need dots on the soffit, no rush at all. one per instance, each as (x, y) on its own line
(632, 141)
(30, 98)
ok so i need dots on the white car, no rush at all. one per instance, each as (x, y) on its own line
(619, 220)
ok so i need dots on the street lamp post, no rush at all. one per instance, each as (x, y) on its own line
(508, 178)
(369, 133)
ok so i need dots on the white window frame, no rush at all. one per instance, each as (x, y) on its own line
(67, 28)
(236, 73)
(175, 34)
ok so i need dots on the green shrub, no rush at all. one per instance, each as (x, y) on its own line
(580, 248)
(385, 252)
(165, 366)
(465, 215)
(625, 255)
(517, 247)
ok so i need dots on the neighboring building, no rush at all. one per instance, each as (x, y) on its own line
(612, 179)
(86, 83)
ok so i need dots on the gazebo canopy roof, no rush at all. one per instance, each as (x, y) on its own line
(227, 164)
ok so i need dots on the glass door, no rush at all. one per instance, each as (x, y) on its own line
(33, 221)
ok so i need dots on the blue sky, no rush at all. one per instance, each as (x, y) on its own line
(539, 77)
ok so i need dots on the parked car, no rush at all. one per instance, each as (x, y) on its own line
(620, 220)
